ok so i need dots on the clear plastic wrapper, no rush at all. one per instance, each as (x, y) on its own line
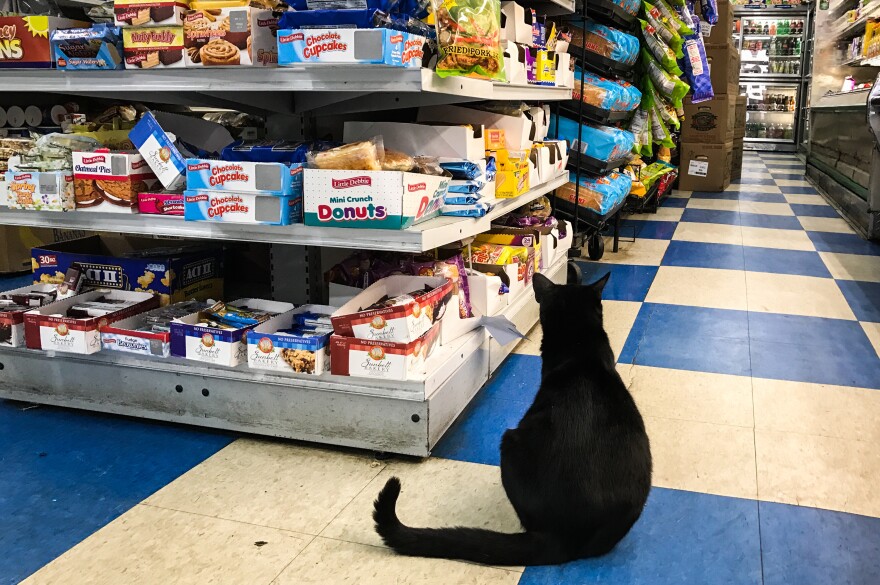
(469, 38)
(357, 156)
(659, 49)
(611, 43)
(429, 165)
(397, 161)
(672, 19)
(466, 187)
(640, 130)
(599, 194)
(603, 143)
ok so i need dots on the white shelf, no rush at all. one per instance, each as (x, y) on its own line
(425, 236)
(398, 417)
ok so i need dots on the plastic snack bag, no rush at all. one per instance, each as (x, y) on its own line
(659, 49)
(611, 43)
(397, 161)
(639, 128)
(670, 87)
(357, 156)
(670, 36)
(606, 94)
(671, 19)
(696, 66)
(659, 131)
(469, 35)
(709, 8)
(648, 145)
(665, 109)
(478, 209)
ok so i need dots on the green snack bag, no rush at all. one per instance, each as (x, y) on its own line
(670, 117)
(667, 33)
(648, 145)
(659, 49)
(671, 18)
(639, 128)
(670, 87)
(661, 133)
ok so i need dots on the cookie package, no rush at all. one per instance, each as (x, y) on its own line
(110, 181)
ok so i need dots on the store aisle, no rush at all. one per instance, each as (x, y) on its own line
(748, 325)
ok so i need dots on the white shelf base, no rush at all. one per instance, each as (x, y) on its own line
(397, 417)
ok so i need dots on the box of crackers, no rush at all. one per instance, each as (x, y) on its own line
(153, 48)
(224, 34)
(110, 181)
(173, 270)
(134, 13)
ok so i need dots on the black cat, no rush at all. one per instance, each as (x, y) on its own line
(577, 469)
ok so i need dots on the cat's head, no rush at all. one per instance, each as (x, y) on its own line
(568, 307)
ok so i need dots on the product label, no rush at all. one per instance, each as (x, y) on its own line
(698, 168)
(693, 53)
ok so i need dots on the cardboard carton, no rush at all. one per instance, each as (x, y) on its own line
(40, 191)
(378, 46)
(519, 131)
(443, 141)
(724, 64)
(386, 360)
(739, 122)
(110, 181)
(269, 347)
(153, 48)
(720, 33)
(711, 122)
(736, 160)
(24, 40)
(235, 207)
(135, 13)
(705, 167)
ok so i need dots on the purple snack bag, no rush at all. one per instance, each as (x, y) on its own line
(453, 269)
(696, 66)
(709, 8)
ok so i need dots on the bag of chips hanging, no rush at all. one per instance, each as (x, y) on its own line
(648, 145)
(469, 38)
(639, 128)
(669, 86)
(659, 49)
(696, 66)
(660, 132)
(709, 9)
(671, 19)
(669, 35)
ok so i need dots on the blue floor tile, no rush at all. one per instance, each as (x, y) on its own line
(741, 196)
(682, 538)
(784, 262)
(737, 218)
(66, 474)
(752, 181)
(689, 338)
(476, 435)
(648, 229)
(674, 202)
(711, 216)
(786, 174)
(808, 546)
(627, 283)
(843, 243)
(863, 299)
(822, 210)
(703, 255)
(812, 349)
(799, 190)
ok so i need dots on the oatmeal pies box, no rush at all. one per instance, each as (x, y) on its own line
(149, 12)
(223, 33)
(153, 48)
(383, 359)
(279, 345)
(170, 269)
(110, 181)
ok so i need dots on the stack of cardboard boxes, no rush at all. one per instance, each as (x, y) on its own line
(712, 132)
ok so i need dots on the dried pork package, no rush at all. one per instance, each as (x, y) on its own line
(469, 38)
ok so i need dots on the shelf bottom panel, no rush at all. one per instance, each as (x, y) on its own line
(296, 409)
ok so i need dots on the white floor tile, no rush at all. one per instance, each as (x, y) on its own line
(796, 295)
(835, 225)
(852, 266)
(777, 239)
(710, 233)
(699, 287)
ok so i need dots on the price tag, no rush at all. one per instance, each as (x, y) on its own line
(705, 28)
(698, 168)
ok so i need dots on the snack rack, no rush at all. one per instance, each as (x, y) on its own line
(587, 224)
(388, 416)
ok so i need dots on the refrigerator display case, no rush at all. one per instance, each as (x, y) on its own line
(773, 43)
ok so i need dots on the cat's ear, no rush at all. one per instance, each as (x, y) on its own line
(542, 286)
(599, 285)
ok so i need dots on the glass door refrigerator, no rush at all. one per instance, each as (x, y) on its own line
(772, 43)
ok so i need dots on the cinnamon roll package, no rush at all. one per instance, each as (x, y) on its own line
(230, 34)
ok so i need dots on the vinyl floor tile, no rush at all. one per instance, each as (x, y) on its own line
(655, 230)
(805, 199)
(863, 297)
(844, 243)
(778, 261)
(703, 255)
(872, 330)
(640, 252)
(852, 266)
(825, 224)
(802, 210)
(627, 283)
(699, 287)
(711, 233)
(775, 239)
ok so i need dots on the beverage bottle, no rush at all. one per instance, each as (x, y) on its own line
(766, 29)
(789, 132)
(762, 131)
(773, 28)
(797, 46)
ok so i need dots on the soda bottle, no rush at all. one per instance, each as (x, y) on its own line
(773, 28)
(766, 29)
(762, 131)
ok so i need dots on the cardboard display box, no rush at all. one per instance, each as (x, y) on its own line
(44, 330)
(711, 121)
(519, 131)
(386, 360)
(248, 208)
(724, 62)
(149, 48)
(379, 46)
(16, 244)
(705, 167)
(40, 190)
(739, 119)
(135, 13)
(24, 40)
(166, 268)
(270, 349)
(721, 33)
(12, 322)
(736, 159)
(110, 181)
(263, 178)
(457, 142)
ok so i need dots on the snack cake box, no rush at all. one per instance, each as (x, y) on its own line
(161, 203)
(379, 46)
(232, 207)
(12, 322)
(153, 47)
(267, 349)
(158, 149)
(385, 360)
(130, 13)
(405, 322)
(221, 347)
(40, 191)
(264, 178)
(371, 199)
(123, 336)
(110, 181)
(166, 268)
(42, 330)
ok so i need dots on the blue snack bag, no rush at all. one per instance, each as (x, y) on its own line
(611, 43)
(462, 169)
(600, 142)
(696, 66)
(606, 94)
(709, 8)
(600, 194)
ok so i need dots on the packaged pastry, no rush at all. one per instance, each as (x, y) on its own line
(397, 161)
(357, 156)
(149, 12)
(221, 33)
(497, 254)
(469, 38)
(110, 181)
(600, 194)
(98, 47)
(155, 47)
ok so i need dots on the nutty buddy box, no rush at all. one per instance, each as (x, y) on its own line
(350, 45)
(371, 199)
(157, 47)
(173, 272)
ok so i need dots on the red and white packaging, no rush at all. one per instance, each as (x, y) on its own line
(161, 203)
(405, 322)
(110, 181)
(383, 359)
(44, 328)
(12, 322)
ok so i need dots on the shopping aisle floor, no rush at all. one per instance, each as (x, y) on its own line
(748, 325)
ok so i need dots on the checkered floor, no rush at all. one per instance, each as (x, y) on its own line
(747, 324)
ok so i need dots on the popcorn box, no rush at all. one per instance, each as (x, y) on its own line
(232, 207)
(166, 268)
(153, 48)
(158, 149)
(221, 347)
(161, 203)
(268, 349)
(12, 322)
(67, 334)
(40, 191)
(383, 359)
(371, 199)
(110, 181)
(224, 36)
(379, 46)
(96, 48)
(134, 13)
(24, 40)
(264, 178)
(404, 322)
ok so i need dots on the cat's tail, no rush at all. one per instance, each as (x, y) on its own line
(469, 544)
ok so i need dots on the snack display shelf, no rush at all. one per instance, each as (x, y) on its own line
(398, 417)
(419, 238)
